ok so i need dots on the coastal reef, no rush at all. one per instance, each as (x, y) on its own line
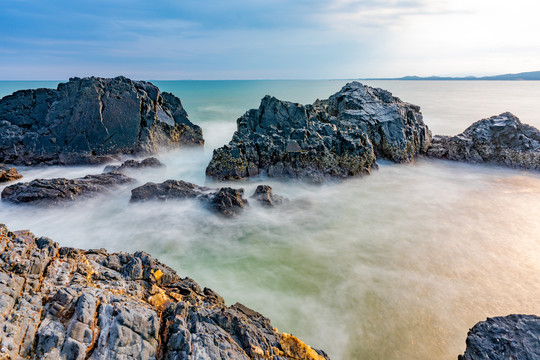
(66, 303)
(502, 140)
(88, 120)
(339, 137)
(504, 337)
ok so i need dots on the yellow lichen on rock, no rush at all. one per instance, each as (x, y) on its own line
(297, 349)
(157, 274)
(159, 299)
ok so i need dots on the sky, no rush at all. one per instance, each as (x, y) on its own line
(269, 39)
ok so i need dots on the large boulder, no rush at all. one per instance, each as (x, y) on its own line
(226, 201)
(85, 120)
(54, 191)
(66, 303)
(501, 139)
(335, 138)
(504, 337)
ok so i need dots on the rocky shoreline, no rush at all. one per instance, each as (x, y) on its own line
(66, 303)
(88, 304)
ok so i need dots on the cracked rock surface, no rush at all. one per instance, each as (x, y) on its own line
(85, 121)
(8, 174)
(66, 303)
(504, 337)
(501, 139)
(335, 138)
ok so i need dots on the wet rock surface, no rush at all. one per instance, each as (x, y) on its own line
(128, 165)
(84, 121)
(266, 197)
(501, 338)
(335, 138)
(54, 191)
(225, 201)
(501, 139)
(66, 303)
(8, 174)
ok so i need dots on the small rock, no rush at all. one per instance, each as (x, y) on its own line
(8, 174)
(151, 162)
(228, 201)
(264, 195)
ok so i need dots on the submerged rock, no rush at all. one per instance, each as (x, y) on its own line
(265, 196)
(8, 174)
(501, 139)
(66, 303)
(54, 191)
(85, 120)
(501, 338)
(334, 138)
(225, 201)
(127, 165)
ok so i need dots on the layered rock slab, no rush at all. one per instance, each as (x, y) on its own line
(502, 139)
(335, 138)
(504, 337)
(50, 192)
(65, 303)
(85, 120)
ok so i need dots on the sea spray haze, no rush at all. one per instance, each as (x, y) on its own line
(399, 264)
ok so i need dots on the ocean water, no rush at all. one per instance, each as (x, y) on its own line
(395, 265)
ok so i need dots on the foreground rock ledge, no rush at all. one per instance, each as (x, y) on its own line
(85, 121)
(335, 138)
(65, 303)
(502, 338)
(502, 140)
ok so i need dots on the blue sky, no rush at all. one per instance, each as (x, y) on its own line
(271, 39)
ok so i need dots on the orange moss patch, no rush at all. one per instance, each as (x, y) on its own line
(297, 349)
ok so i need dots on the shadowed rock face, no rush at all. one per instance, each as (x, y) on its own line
(8, 174)
(84, 120)
(334, 138)
(65, 303)
(501, 139)
(502, 338)
(53, 191)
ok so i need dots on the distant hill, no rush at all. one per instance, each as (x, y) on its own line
(531, 75)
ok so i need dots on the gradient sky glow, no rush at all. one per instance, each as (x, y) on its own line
(268, 39)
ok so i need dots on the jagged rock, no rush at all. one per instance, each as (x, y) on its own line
(151, 162)
(334, 138)
(85, 120)
(265, 196)
(8, 174)
(65, 303)
(54, 191)
(226, 201)
(501, 338)
(501, 139)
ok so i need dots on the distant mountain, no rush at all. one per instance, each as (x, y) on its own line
(531, 75)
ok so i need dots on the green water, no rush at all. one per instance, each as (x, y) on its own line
(396, 265)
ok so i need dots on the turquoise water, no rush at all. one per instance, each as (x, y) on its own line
(396, 265)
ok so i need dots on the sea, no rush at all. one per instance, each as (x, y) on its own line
(395, 265)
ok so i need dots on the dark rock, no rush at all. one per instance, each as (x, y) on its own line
(501, 139)
(93, 305)
(264, 195)
(84, 121)
(151, 162)
(226, 201)
(54, 191)
(501, 338)
(334, 138)
(8, 174)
